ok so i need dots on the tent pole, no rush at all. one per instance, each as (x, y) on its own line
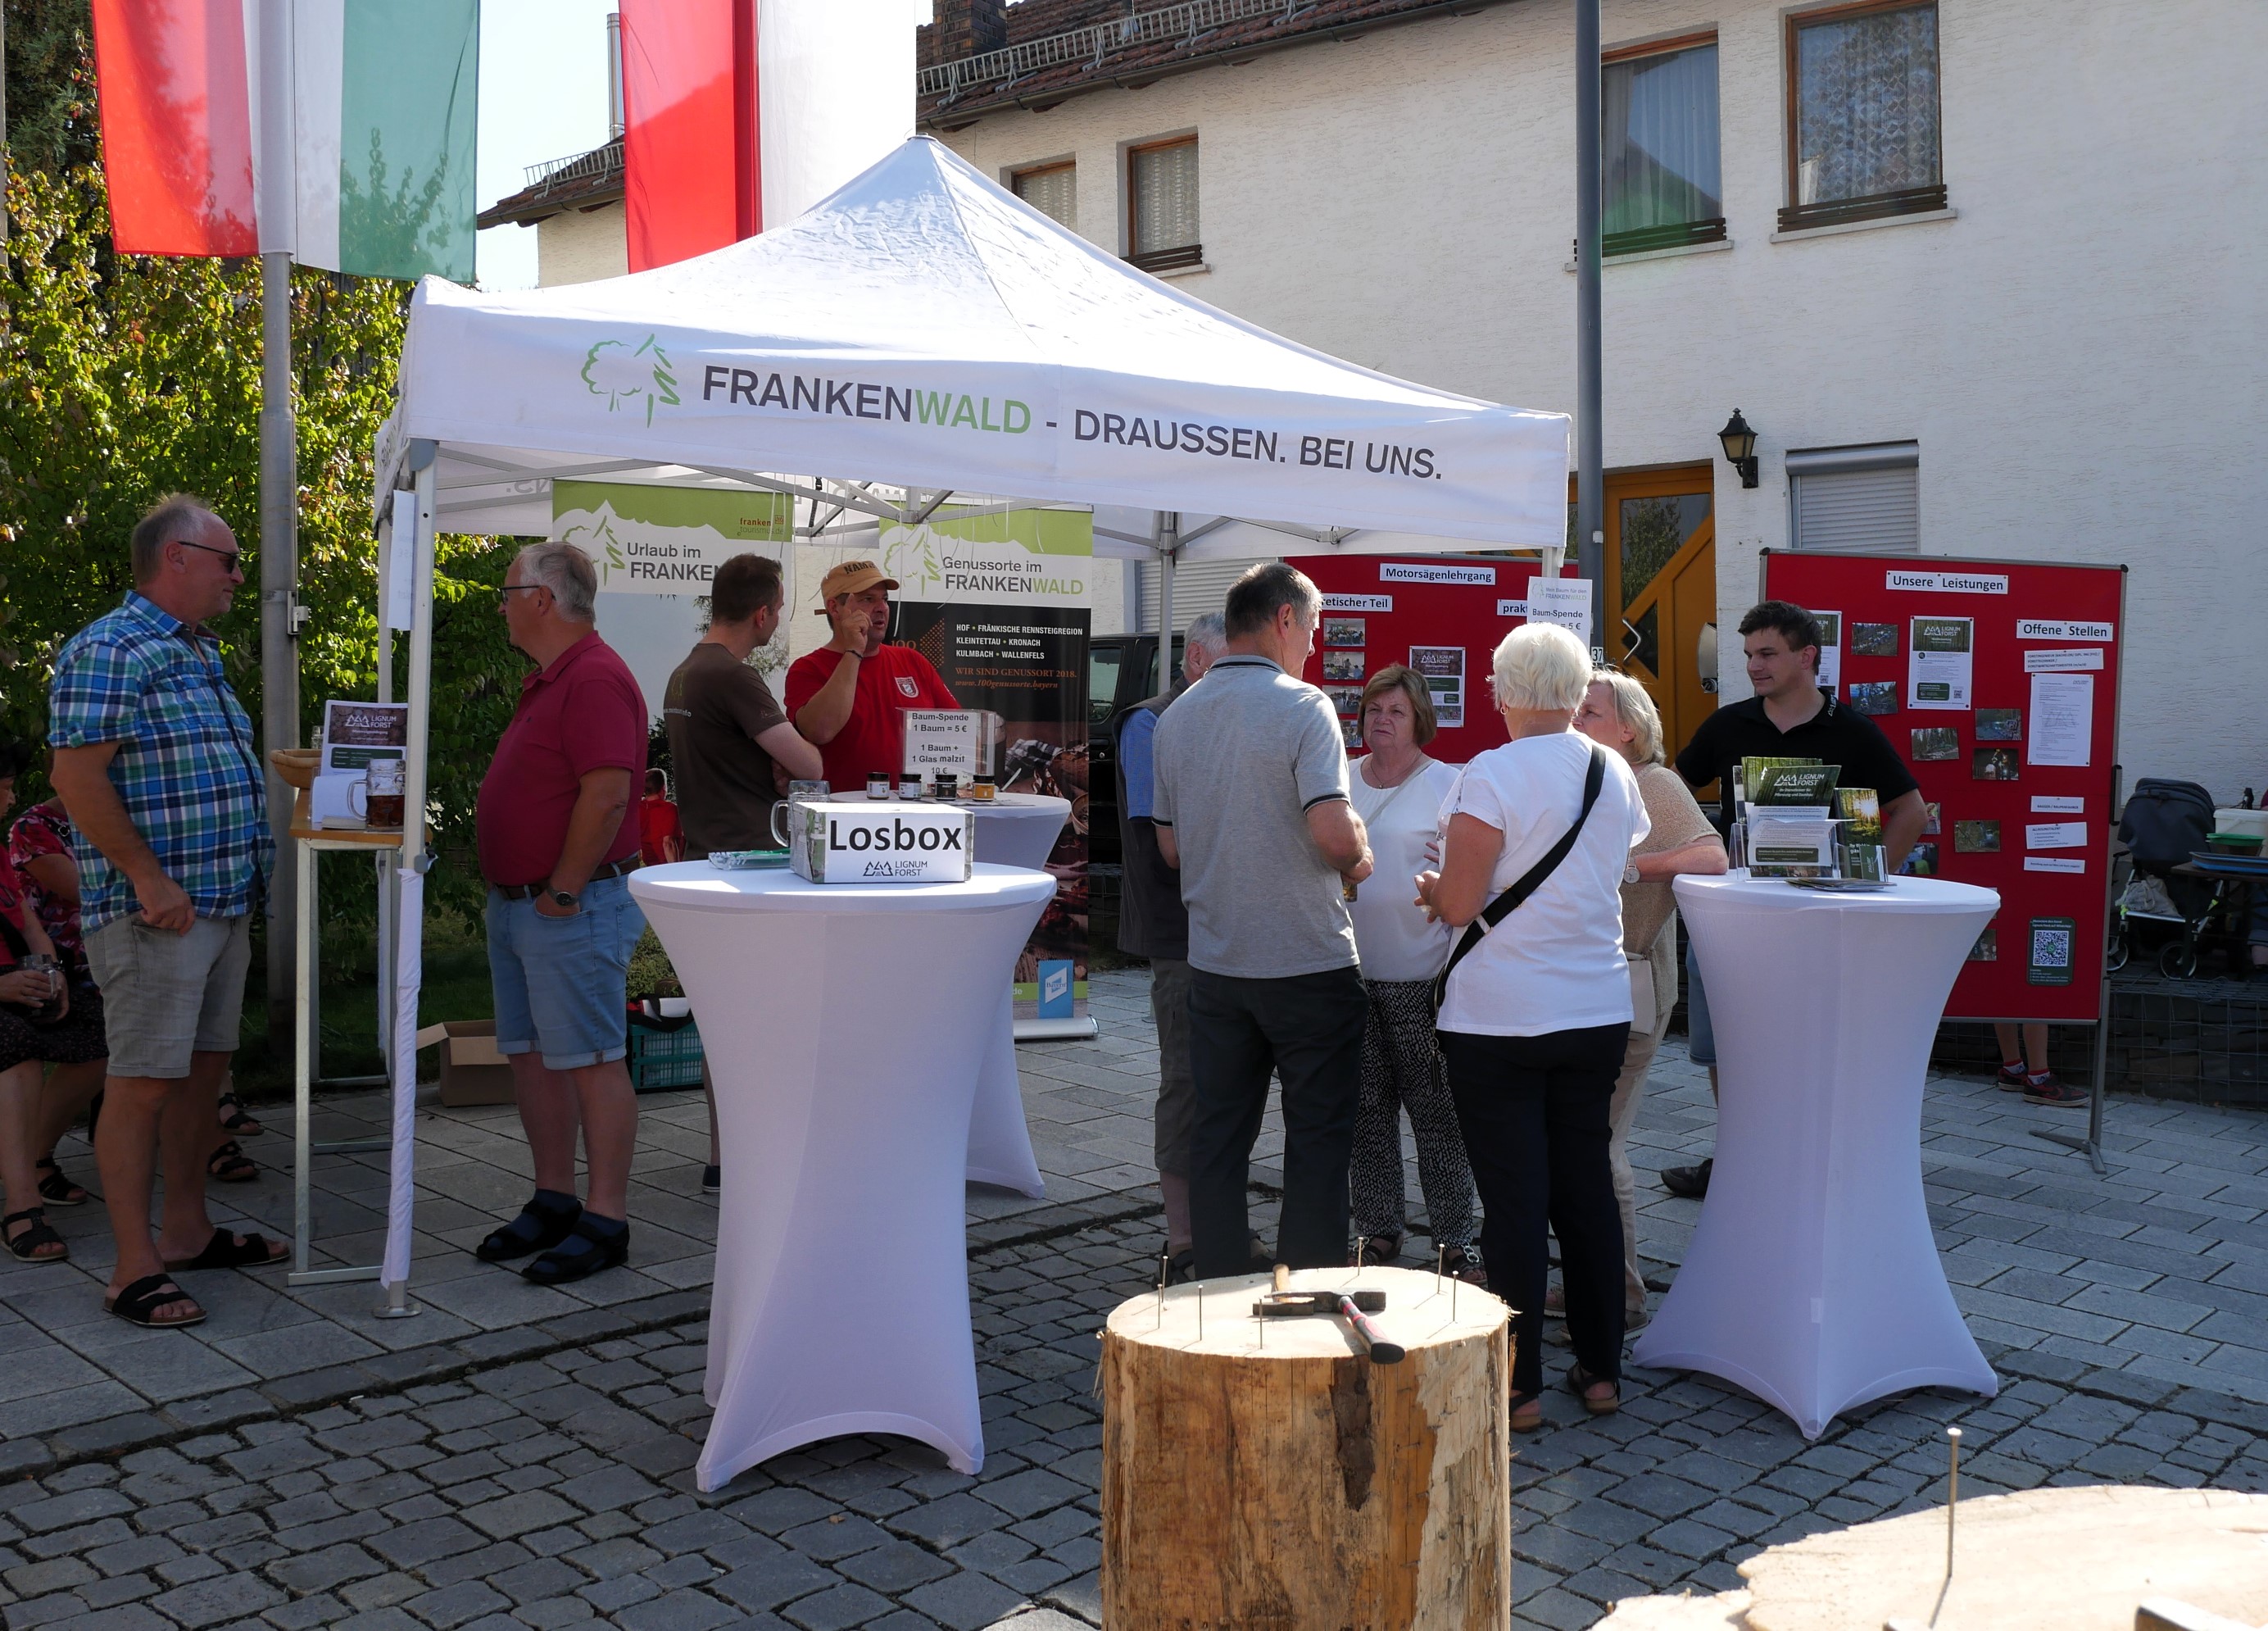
(279, 575)
(1169, 545)
(1590, 441)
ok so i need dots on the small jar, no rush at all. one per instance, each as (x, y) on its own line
(878, 785)
(981, 790)
(947, 786)
(909, 786)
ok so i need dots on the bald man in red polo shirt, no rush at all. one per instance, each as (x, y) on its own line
(845, 698)
(557, 842)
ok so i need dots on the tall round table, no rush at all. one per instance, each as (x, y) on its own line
(1813, 1280)
(1015, 830)
(846, 1027)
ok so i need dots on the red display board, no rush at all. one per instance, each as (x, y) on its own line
(1441, 612)
(2028, 622)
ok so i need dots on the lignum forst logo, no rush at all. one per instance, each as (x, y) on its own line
(627, 375)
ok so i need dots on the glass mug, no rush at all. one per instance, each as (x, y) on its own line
(377, 797)
(797, 793)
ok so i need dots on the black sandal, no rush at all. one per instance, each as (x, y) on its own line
(38, 1233)
(1580, 1380)
(54, 1188)
(225, 1250)
(1380, 1251)
(538, 1228)
(582, 1254)
(229, 1164)
(233, 1119)
(135, 1303)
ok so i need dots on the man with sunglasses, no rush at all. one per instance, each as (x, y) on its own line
(154, 759)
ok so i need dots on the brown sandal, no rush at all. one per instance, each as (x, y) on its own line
(1526, 1412)
(1580, 1381)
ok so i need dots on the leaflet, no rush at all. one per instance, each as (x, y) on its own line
(1830, 647)
(2063, 719)
(2054, 863)
(2055, 835)
(1941, 663)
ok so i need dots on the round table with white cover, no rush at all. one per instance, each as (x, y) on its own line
(846, 1026)
(1015, 830)
(1813, 1280)
(1020, 829)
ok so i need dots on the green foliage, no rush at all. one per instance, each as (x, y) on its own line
(651, 974)
(126, 378)
(50, 92)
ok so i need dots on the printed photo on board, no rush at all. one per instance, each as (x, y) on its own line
(1977, 837)
(1874, 639)
(1344, 698)
(1987, 948)
(1929, 823)
(1936, 741)
(1995, 764)
(1999, 724)
(1343, 630)
(1873, 696)
(1921, 861)
(1343, 665)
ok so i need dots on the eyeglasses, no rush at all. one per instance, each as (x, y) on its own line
(515, 588)
(234, 557)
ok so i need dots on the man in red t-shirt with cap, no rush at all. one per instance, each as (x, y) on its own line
(845, 698)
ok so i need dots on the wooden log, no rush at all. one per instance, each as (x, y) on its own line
(1266, 1476)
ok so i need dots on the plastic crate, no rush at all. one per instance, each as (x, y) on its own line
(661, 1060)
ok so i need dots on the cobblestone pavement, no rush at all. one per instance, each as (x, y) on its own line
(531, 1466)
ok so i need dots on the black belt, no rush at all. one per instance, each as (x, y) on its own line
(528, 891)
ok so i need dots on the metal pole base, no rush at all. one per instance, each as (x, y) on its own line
(397, 1304)
(332, 1276)
(2086, 1147)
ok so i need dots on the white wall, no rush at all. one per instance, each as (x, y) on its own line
(2078, 354)
(578, 247)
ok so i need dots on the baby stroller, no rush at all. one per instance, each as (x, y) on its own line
(2165, 824)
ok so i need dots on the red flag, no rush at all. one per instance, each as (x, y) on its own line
(689, 159)
(176, 125)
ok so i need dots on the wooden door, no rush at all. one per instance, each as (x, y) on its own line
(1661, 591)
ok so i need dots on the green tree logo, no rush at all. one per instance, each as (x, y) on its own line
(911, 557)
(598, 539)
(615, 370)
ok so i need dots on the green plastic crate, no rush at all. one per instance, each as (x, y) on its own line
(661, 1060)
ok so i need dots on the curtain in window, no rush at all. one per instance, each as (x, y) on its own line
(1054, 193)
(1660, 141)
(1164, 197)
(1866, 114)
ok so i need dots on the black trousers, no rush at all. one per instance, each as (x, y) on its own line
(1307, 1028)
(1533, 1113)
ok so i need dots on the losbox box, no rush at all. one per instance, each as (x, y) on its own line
(884, 841)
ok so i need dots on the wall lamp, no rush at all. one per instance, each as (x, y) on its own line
(1740, 448)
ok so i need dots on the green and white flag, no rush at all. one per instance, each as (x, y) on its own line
(387, 96)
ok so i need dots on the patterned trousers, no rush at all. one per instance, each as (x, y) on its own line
(1402, 1069)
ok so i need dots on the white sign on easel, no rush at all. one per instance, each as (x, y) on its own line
(955, 741)
(1563, 600)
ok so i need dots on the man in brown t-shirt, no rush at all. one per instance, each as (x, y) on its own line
(726, 731)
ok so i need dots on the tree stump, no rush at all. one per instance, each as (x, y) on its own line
(1266, 1476)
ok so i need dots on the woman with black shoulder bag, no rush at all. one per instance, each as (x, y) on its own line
(1535, 1005)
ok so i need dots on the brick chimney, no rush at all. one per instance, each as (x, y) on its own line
(969, 27)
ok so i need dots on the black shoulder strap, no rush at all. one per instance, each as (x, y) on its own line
(1501, 907)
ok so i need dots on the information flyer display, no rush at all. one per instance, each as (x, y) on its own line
(1830, 647)
(1000, 599)
(1442, 668)
(2063, 718)
(1940, 668)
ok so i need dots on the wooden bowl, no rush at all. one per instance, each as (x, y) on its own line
(296, 765)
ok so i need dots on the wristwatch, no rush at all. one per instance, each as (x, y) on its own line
(1629, 873)
(566, 901)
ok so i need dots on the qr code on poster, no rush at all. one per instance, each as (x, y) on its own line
(2050, 949)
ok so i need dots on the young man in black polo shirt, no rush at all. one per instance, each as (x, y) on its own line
(1789, 717)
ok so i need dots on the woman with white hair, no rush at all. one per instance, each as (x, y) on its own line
(1617, 713)
(1536, 1005)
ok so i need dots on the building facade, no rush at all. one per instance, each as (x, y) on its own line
(1982, 275)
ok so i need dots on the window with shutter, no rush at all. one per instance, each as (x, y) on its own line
(1162, 197)
(1865, 500)
(1199, 587)
(1053, 190)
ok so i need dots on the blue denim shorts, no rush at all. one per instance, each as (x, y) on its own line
(560, 981)
(1700, 1035)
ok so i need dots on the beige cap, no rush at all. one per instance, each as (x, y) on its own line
(851, 578)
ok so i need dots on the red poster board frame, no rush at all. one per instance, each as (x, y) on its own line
(1858, 587)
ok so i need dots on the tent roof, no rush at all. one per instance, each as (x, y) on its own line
(924, 327)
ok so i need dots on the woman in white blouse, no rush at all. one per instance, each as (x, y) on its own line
(1397, 790)
(1534, 1017)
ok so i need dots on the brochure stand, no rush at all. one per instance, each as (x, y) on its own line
(1997, 682)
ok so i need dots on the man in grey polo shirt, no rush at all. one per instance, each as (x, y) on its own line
(1251, 805)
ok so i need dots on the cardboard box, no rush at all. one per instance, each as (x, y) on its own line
(884, 841)
(472, 1071)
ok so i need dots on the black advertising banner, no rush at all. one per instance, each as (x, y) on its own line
(999, 602)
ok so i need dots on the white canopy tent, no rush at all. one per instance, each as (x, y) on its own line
(923, 333)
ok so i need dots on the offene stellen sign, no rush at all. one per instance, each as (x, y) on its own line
(884, 841)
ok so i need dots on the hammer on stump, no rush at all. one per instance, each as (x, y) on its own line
(1353, 1307)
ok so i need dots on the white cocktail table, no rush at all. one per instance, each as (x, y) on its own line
(846, 1027)
(1020, 829)
(1813, 1280)
(1015, 830)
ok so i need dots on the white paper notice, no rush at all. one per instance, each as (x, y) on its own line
(1939, 662)
(1830, 648)
(1563, 600)
(2063, 719)
(2040, 629)
(2053, 863)
(2057, 804)
(2055, 835)
(2084, 657)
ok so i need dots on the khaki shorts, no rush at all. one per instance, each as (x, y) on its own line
(166, 995)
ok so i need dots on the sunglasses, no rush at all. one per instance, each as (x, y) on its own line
(234, 557)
